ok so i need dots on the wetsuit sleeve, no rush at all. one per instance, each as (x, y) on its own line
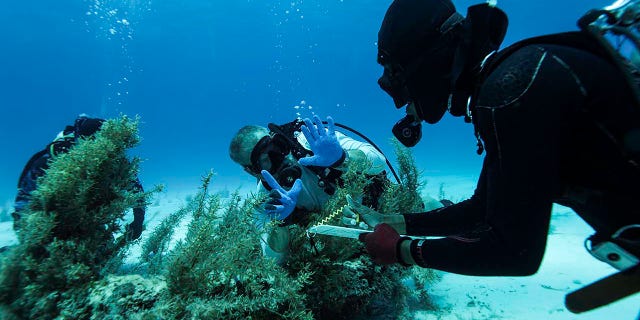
(458, 219)
(362, 150)
(522, 111)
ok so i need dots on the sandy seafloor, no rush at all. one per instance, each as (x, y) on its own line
(566, 267)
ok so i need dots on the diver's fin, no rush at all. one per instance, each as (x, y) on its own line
(604, 291)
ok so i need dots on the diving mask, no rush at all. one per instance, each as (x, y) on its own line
(268, 154)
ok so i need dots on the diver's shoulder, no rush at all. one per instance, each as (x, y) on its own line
(508, 77)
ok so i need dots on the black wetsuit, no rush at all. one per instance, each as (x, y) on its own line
(535, 114)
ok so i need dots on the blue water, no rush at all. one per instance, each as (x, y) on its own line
(196, 71)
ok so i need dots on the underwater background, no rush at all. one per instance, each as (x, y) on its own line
(196, 71)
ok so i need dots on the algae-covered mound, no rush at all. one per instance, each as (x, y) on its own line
(121, 296)
(66, 235)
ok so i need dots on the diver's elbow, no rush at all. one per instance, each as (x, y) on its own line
(523, 266)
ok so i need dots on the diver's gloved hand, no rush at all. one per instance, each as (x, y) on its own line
(326, 149)
(356, 214)
(281, 203)
(383, 244)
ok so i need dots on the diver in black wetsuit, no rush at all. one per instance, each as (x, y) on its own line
(83, 127)
(558, 123)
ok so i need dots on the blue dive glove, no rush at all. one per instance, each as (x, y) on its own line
(324, 143)
(281, 202)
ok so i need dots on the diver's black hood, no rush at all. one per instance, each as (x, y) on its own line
(85, 126)
(421, 37)
(431, 86)
(484, 29)
(411, 26)
(440, 52)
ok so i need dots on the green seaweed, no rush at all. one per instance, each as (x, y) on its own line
(218, 270)
(66, 235)
(404, 197)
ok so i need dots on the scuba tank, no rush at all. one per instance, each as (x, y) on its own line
(616, 28)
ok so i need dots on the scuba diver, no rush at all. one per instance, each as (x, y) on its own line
(83, 127)
(558, 121)
(299, 165)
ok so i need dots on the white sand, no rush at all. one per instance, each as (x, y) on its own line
(566, 267)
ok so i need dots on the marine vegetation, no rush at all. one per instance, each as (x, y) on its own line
(218, 271)
(66, 236)
(69, 265)
(346, 284)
